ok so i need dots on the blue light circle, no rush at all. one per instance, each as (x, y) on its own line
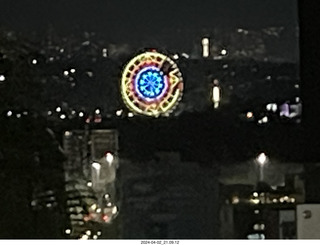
(150, 82)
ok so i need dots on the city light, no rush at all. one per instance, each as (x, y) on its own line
(249, 115)
(9, 113)
(224, 52)
(265, 119)
(67, 231)
(105, 218)
(84, 237)
(67, 133)
(235, 200)
(81, 114)
(89, 184)
(272, 107)
(109, 158)
(205, 47)
(130, 114)
(114, 210)
(89, 73)
(65, 73)
(175, 56)
(216, 96)
(96, 165)
(2, 78)
(104, 52)
(185, 55)
(93, 206)
(119, 113)
(34, 62)
(261, 158)
(58, 109)
(255, 201)
(97, 111)
(72, 70)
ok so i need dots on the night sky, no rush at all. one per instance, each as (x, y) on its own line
(137, 20)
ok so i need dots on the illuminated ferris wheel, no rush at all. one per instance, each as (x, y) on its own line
(151, 84)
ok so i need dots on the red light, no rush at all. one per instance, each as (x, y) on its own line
(105, 218)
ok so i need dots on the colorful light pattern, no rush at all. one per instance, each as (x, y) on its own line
(151, 84)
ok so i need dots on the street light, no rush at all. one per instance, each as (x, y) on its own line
(261, 159)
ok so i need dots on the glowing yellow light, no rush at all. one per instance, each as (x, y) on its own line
(216, 94)
(249, 114)
(255, 201)
(205, 47)
(235, 200)
(84, 237)
(114, 210)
